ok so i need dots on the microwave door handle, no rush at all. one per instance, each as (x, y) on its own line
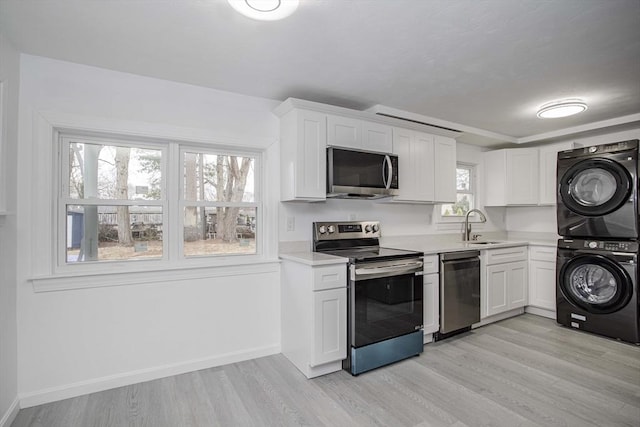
(389, 171)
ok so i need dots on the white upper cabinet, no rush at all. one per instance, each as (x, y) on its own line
(427, 160)
(522, 176)
(344, 132)
(548, 163)
(303, 168)
(358, 134)
(426, 166)
(377, 137)
(415, 165)
(445, 169)
(511, 177)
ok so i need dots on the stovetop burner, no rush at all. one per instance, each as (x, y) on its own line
(373, 254)
(357, 240)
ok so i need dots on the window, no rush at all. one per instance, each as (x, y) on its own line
(465, 193)
(117, 201)
(218, 203)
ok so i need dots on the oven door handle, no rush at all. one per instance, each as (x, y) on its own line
(392, 270)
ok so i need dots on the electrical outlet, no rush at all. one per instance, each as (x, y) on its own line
(291, 223)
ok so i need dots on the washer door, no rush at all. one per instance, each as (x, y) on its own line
(595, 187)
(595, 283)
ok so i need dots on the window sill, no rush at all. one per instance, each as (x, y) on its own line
(63, 282)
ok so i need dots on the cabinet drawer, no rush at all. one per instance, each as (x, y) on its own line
(431, 264)
(542, 253)
(329, 277)
(498, 256)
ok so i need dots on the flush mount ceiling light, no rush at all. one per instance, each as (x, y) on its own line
(265, 10)
(564, 108)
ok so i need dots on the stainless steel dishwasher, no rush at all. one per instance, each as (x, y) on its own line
(459, 292)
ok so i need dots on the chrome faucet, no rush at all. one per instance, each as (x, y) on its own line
(467, 226)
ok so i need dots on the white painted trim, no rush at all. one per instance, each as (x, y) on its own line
(367, 115)
(582, 128)
(498, 317)
(83, 281)
(383, 109)
(67, 391)
(550, 314)
(11, 413)
(93, 125)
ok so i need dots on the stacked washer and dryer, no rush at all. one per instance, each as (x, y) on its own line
(597, 259)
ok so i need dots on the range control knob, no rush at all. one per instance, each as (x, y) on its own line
(331, 229)
(367, 228)
(376, 227)
(322, 229)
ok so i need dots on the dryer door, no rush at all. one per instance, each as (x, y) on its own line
(595, 187)
(595, 283)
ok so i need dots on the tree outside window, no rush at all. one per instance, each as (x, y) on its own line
(113, 201)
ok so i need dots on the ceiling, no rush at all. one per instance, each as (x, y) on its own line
(479, 66)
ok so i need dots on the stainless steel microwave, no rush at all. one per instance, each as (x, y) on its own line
(361, 174)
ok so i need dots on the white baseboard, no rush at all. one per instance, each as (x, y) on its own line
(498, 317)
(53, 394)
(551, 314)
(11, 413)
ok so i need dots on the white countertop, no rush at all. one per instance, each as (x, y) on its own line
(313, 258)
(430, 248)
(419, 244)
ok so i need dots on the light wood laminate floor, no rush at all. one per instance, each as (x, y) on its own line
(523, 371)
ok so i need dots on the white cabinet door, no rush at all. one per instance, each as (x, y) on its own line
(329, 326)
(522, 176)
(542, 284)
(402, 141)
(377, 137)
(444, 169)
(517, 284)
(497, 285)
(415, 165)
(431, 303)
(303, 156)
(506, 287)
(511, 177)
(344, 132)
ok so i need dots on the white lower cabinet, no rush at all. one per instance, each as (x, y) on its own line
(329, 326)
(542, 278)
(505, 280)
(314, 316)
(431, 295)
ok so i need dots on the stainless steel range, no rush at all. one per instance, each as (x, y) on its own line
(384, 294)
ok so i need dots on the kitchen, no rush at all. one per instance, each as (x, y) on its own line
(73, 342)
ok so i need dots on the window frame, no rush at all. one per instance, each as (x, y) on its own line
(473, 191)
(63, 197)
(183, 202)
(172, 203)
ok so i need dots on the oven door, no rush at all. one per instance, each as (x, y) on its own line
(385, 300)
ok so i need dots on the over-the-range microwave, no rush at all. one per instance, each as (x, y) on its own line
(361, 174)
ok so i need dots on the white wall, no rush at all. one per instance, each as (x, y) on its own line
(543, 218)
(396, 219)
(78, 341)
(9, 75)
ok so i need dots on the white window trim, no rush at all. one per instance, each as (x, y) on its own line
(455, 222)
(45, 272)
